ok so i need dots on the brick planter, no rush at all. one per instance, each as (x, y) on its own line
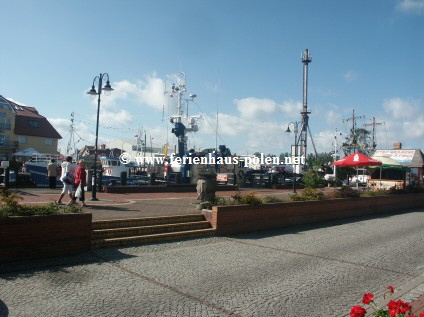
(247, 218)
(44, 236)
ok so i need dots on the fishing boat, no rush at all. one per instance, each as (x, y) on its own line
(37, 167)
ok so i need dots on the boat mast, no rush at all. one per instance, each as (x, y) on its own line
(190, 122)
(71, 149)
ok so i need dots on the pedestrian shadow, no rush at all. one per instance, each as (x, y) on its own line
(22, 193)
(4, 311)
(63, 264)
(301, 229)
(105, 207)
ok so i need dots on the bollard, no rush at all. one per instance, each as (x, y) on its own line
(152, 180)
(99, 181)
(89, 180)
(123, 178)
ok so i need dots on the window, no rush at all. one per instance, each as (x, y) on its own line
(4, 105)
(48, 141)
(4, 140)
(4, 122)
(22, 139)
(33, 123)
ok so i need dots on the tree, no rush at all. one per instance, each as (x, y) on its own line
(320, 161)
(358, 141)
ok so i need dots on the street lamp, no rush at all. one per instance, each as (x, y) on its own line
(295, 129)
(107, 89)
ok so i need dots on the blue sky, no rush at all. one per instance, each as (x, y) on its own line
(240, 57)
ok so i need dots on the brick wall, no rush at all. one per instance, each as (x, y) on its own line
(44, 236)
(246, 218)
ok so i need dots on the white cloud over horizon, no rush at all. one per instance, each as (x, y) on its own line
(411, 6)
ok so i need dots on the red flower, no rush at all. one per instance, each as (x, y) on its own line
(368, 297)
(398, 307)
(391, 289)
(357, 311)
(422, 315)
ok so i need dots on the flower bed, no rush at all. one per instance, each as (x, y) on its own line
(397, 308)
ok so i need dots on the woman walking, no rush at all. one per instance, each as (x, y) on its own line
(80, 182)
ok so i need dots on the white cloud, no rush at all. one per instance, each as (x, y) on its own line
(411, 6)
(350, 75)
(121, 117)
(324, 142)
(291, 108)
(83, 133)
(333, 117)
(414, 129)
(401, 108)
(149, 91)
(251, 108)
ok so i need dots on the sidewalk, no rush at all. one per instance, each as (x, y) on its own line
(136, 205)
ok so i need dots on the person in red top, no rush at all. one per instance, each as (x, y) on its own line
(80, 181)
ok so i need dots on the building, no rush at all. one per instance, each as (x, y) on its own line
(23, 127)
(88, 151)
(412, 158)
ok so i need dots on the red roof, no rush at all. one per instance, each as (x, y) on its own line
(29, 122)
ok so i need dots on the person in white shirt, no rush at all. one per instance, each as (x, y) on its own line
(67, 178)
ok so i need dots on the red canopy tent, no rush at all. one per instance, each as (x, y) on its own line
(357, 160)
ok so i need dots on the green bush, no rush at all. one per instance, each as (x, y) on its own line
(9, 206)
(271, 199)
(311, 179)
(344, 192)
(308, 194)
(240, 199)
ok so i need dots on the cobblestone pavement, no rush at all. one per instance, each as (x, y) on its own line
(314, 270)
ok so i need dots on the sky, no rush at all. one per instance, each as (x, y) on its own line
(241, 58)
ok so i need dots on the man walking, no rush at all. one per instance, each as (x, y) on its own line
(52, 173)
(67, 178)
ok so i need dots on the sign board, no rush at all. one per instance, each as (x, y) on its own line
(222, 177)
(397, 155)
(4, 164)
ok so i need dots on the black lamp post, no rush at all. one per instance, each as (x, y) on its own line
(107, 89)
(295, 128)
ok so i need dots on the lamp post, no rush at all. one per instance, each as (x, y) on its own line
(107, 89)
(295, 129)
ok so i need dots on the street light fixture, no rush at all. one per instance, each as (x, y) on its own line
(295, 130)
(107, 89)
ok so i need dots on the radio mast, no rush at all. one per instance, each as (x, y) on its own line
(302, 143)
